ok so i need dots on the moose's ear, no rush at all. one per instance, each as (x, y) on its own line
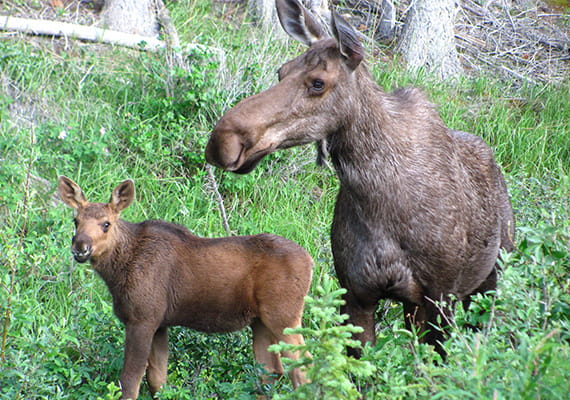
(348, 40)
(70, 193)
(298, 22)
(122, 196)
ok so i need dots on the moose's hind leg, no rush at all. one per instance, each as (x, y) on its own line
(490, 283)
(437, 317)
(429, 321)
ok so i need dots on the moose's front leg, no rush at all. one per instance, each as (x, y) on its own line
(362, 316)
(138, 341)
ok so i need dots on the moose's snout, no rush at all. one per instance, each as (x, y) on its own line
(81, 249)
(224, 149)
(213, 153)
(232, 141)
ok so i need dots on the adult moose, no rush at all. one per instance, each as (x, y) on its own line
(422, 210)
(161, 275)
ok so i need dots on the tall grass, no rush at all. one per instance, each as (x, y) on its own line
(101, 114)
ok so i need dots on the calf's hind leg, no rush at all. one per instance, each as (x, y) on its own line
(158, 361)
(262, 339)
(265, 334)
(296, 375)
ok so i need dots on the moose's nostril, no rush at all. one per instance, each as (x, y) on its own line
(212, 153)
(81, 254)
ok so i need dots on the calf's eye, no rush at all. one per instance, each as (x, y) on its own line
(105, 226)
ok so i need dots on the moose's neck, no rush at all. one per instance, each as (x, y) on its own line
(383, 137)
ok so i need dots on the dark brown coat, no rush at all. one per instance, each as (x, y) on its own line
(161, 275)
(422, 210)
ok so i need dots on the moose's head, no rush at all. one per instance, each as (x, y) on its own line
(310, 102)
(95, 223)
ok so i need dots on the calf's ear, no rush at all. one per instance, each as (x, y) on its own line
(70, 193)
(122, 196)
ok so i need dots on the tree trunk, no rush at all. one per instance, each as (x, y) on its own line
(428, 38)
(131, 16)
(266, 13)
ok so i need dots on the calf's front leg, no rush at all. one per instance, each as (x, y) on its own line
(158, 361)
(138, 341)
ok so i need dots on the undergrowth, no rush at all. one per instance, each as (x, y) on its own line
(101, 115)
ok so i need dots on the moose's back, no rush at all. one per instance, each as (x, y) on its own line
(209, 284)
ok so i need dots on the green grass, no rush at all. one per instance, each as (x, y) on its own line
(101, 115)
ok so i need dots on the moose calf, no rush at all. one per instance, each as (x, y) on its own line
(161, 275)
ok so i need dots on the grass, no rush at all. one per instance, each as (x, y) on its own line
(100, 115)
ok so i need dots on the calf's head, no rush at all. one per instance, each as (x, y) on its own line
(95, 223)
(307, 104)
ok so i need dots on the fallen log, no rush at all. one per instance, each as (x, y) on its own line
(89, 33)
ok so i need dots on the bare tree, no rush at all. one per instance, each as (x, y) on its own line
(428, 38)
(131, 16)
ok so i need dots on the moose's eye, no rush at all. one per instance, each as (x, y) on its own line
(105, 226)
(317, 86)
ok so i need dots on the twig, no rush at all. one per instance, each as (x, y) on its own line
(526, 78)
(219, 198)
(175, 58)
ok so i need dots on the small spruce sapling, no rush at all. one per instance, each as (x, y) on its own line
(328, 369)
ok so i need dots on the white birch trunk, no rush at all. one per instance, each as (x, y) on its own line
(428, 38)
(131, 16)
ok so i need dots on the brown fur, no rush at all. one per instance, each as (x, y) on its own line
(161, 275)
(422, 210)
